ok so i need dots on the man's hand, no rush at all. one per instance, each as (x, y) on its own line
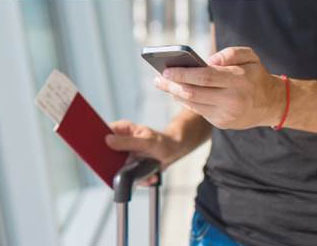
(235, 91)
(142, 141)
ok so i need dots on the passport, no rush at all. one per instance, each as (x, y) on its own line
(80, 126)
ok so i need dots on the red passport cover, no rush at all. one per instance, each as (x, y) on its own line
(84, 131)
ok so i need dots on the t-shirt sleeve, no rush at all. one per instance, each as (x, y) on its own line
(210, 10)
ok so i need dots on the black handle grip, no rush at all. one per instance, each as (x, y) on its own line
(127, 175)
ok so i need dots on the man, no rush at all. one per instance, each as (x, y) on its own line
(260, 185)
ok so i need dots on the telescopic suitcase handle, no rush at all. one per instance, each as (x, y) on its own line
(123, 184)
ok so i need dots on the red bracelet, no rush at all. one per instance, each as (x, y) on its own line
(288, 102)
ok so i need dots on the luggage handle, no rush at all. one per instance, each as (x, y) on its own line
(130, 173)
(123, 183)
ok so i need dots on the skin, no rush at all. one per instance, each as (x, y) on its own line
(235, 91)
(177, 140)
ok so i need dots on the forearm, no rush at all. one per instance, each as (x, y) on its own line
(188, 130)
(303, 106)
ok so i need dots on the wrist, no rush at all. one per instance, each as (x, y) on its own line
(277, 102)
(303, 105)
(172, 147)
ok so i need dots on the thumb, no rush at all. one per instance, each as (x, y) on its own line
(122, 127)
(126, 143)
(233, 56)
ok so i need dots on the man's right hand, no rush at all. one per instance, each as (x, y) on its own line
(142, 141)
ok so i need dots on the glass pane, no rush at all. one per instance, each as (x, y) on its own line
(61, 163)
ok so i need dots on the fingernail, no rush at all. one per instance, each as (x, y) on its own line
(179, 90)
(166, 73)
(187, 90)
(157, 81)
(175, 89)
(109, 138)
(154, 179)
(186, 95)
(214, 60)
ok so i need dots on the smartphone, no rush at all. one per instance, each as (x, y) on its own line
(161, 57)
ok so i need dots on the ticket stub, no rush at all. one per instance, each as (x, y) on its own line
(56, 96)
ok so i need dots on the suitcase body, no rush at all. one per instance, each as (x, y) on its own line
(123, 184)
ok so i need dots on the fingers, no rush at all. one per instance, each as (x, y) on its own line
(233, 56)
(173, 88)
(122, 127)
(205, 76)
(198, 108)
(127, 143)
(196, 94)
(149, 181)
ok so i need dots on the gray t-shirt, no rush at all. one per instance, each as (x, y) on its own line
(260, 185)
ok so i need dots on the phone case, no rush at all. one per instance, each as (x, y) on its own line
(162, 57)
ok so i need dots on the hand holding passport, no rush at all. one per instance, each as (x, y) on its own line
(80, 126)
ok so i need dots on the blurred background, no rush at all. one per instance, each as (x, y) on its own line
(47, 195)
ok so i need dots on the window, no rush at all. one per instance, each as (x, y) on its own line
(48, 196)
